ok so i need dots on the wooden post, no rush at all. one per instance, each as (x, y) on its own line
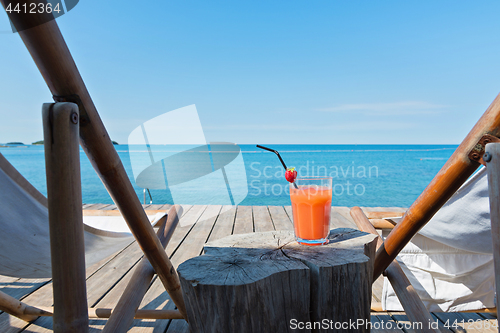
(493, 170)
(267, 282)
(64, 194)
(448, 180)
(53, 58)
(407, 295)
(123, 314)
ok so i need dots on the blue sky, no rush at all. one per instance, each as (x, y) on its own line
(273, 71)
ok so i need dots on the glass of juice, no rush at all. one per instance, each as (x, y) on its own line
(311, 207)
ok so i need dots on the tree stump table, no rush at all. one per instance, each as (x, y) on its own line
(267, 282)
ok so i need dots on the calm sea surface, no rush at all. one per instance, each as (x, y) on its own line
(365, 175)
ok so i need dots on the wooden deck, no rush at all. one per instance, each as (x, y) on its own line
(107, 280)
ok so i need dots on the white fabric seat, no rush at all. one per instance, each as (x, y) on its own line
(450, 261)
(24, 225)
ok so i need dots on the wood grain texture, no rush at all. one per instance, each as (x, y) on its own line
(280, 218)
(39, 291)
(156, 297)
(259, 282)
(244, 220)
(262, 219)
(493, 170)
(124, 312)
(64, 194)
(224, 224)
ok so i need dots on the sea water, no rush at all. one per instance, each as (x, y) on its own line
(363, 175)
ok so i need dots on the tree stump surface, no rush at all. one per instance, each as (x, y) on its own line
(267, 282)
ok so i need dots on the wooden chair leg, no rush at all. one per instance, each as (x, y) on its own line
(493, 170)
(381, 215)
(123, 314)
(451, 176)
(29, 313)
(412, 304)
(15, 307)
(96, 313)
(64, 194)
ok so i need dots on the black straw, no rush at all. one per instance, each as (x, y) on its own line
(279, 156)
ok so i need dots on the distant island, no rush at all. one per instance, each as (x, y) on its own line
(41, 143)
(12, 144)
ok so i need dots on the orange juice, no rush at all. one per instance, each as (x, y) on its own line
(311, 206)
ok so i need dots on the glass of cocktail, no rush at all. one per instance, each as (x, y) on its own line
(311, 206)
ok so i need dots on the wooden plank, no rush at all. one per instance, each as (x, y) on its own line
(182, 228)
(91, 206)
(165, 207)
(192, 216)
(190, 247)
(244, 220)
(193, 244)
(115, 212)
(43, 297)
(224, 224)
(124, 312)
(227, 218)
(383, 323)
(155, 298)
(110, 207)
(103, 280)
(154, 207)
(339, 220)
(404, 323)
(100, 206)
(289, 212)
(107, 283)
(262, 219)
(19, 288)
(178, 326)
(377, 287)
(280, 218)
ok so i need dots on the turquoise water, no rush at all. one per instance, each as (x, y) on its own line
(367, 175)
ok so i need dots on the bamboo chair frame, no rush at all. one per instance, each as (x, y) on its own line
(53, 58)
